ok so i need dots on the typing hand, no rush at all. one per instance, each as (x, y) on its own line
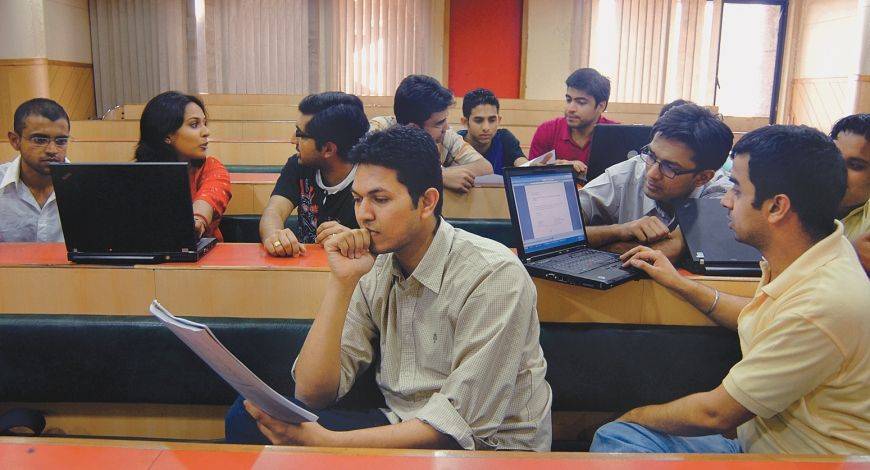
(348, 254)
(654, 263)
(579, 167)
(283, 243)
(649, 229)
(458, 179)
(281, 433)
(327, 229)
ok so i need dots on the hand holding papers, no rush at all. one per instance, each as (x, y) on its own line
(546, 159)
(204, 343)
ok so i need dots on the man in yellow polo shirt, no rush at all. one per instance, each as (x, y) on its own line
(852, 136)
(802, 384)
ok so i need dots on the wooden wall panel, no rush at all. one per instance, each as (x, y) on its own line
(20, 80)
(819, 102)
(72, 85)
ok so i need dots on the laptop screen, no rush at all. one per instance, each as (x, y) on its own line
(547, 210)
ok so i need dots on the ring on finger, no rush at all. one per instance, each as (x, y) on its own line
(277, 243)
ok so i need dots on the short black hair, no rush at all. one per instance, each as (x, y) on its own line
(477, 97)
(44, 107)
(856, 124)
(591, 82)
(673, 104)
(793, 160)
(408, 150)
(163, 115)
(419, 97)
(336, 117)
(709, 138)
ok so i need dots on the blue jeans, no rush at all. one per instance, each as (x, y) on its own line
(240, 427)
(630, 438)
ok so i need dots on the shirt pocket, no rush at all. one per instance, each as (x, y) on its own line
(434, 345)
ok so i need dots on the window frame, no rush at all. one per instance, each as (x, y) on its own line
(780, 51)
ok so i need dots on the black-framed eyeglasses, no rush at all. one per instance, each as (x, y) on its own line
(43, 140)
(667, 168)
(301, 135)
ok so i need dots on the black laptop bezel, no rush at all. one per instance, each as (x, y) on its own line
(187, 252)
(512, 172)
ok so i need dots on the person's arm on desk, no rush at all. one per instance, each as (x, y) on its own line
(672, 246)
(718, 306)
(277, 240)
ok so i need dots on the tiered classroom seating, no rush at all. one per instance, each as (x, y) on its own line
(252, 132)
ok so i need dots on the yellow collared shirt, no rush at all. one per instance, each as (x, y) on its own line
(805, 372)
(857, 222)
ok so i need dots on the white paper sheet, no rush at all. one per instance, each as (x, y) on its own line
(203, 342)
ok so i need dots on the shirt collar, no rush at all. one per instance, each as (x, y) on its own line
(802, 268)
(13, 173)
(430, 271)
(858, 210)
(330, 190)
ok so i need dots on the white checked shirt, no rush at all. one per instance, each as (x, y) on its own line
(21, 218)
(458, 341)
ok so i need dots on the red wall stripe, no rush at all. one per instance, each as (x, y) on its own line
(485, 46)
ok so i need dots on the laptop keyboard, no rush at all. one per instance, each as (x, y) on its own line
(579, 261)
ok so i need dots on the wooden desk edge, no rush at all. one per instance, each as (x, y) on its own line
(164, 445)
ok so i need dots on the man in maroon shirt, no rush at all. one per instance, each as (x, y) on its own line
(586, 99)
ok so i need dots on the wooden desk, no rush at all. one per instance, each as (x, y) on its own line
(241, 280)
(37, 453)
(251, 192)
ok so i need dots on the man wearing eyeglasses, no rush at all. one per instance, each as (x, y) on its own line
(316, 181)
(633, 202)
(28, 210)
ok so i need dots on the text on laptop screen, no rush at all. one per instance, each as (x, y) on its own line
(547, 210)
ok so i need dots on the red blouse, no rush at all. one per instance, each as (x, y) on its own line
(210, 182)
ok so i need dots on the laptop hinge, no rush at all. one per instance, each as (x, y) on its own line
(700, 256)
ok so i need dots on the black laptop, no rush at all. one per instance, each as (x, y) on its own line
(614, 143)
(127, 213)
(549, 231)
(713, 250)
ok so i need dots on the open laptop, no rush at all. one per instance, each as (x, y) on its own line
(127, 213)
(711, 243)
(549, 230)
(613, 143)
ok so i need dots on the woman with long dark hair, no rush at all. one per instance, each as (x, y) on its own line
(173, 129)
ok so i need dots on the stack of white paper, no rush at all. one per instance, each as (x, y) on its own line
(548, 158)
(203, 342)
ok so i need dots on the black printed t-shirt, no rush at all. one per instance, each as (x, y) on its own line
(313, 204)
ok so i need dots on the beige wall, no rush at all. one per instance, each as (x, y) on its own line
(826, 62)
(862, 83)
(67, 31)
(45, 52)
(22, 34)
(548, 53)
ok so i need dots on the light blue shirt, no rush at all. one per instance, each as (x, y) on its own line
(21, 217)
